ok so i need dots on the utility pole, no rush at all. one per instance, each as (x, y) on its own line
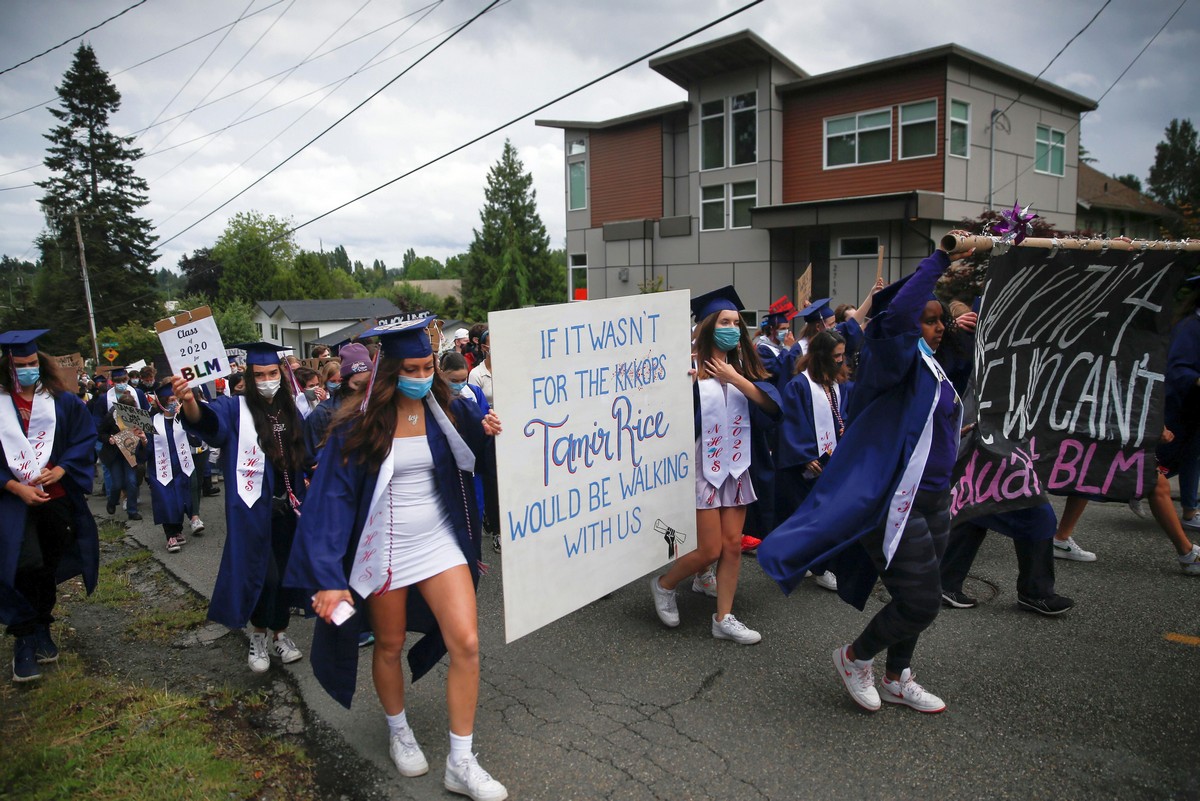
(87, 291)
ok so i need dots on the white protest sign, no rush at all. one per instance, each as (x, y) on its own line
(193, 346)
(595, 461)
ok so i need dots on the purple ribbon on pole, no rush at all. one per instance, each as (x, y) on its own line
(1014, 225)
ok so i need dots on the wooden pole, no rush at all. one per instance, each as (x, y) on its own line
(879, 266)
(953, 242)
(87, 293)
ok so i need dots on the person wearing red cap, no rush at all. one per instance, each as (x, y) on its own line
(397, 535)
(46, 462)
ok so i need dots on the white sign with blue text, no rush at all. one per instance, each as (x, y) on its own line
(595, 463)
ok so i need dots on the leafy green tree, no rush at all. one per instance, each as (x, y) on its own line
(1175, 177)
(421, 268)
(316, 279)
(410, 298)
(1130, 180)
(235, 321)
(256, 252)
(134, 342)
(201, 272)
(16, 291)
(510, 245)
(92, 180)
(456, 266)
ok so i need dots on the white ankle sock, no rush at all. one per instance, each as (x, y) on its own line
(460, 747)
(397, 724)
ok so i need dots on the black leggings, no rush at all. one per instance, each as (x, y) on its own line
(273, 607)
(49, 531)
(913, 580)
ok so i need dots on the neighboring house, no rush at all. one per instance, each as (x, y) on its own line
(1109, 208)
(299, 323)
(765, 169)
(438, 287)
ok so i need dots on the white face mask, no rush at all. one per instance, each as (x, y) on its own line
(267, 388)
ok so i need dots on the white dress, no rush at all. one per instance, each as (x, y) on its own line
(421, 541)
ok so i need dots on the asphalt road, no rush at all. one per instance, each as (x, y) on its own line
(608, 704)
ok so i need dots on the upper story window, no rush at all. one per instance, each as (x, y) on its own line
(729, 139)
(576, 186)
(742, 197)
(918, 129)
(577, 147)
(864, 138)
(712, 207)
(1050, 151)
(960, 129)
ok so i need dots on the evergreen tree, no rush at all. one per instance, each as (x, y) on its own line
(1175, 177)
(92, 178)
(201, 272)
(511, 245)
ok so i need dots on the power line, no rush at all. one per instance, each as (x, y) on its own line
(305, 113)
(1128, 67)
(47, 102)
(337, 122)
(73, 38)
(11, 188)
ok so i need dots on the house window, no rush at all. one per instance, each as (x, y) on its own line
(1050, 151)
(858, 139)
(577, 185)
(918, 129)
(712, 135)
(259, 330)
(858, 246)
(743, 128)
(579, 276)
(274, 331)
(742, 197)
(576, 147)
(960, 129)
(712, 208)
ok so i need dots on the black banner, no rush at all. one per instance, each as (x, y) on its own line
(1070, 361)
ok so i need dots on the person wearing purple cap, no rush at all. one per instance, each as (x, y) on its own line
(734, 404)
(171, 467)
(46, 465)
(261, 438)
(397, 535)
(355, 373)
(881, 509)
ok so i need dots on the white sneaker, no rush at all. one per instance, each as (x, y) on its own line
(1190, 522)
(730, 628)
(664, 603)
(1190, 561)
(1138, 507)
(906, 691)
(827, 580)
(285, 649)
(259, 659)
(466, 777)
(197, 525)
(1071, 550)
(859, 681)
(705, 583)
(407, 755)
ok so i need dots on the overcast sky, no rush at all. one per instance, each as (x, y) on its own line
(516, 57)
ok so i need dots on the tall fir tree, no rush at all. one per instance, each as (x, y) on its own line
(92, 179)
(511, 247)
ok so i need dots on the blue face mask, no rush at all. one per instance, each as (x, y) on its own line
(28, 376)
(333, 386)
(781, 335)
(415, 388)
(727, 338)
(121, 388)
(457, 387)
(924, 346)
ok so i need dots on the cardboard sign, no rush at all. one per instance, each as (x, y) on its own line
(193, 346)
(127, 442)
(1070, 365)
(133, 417)
(595, 463)
(69, 367)
(804, 288)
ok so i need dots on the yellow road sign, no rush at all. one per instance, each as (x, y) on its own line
(111, 355)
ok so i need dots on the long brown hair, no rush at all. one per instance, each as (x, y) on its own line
(819, 359)
(744, 357)
(291, 456)
(369, 434)
(49, 378)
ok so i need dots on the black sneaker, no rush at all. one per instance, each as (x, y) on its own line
(44, 650)
(958, 600)
(134, 516)
(208, 492)
(25, 664)
(111, 508)
(1054, 605)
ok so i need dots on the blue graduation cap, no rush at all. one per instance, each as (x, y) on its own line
(117, 372)
(723, 299)
(816, 310)
(402, 337)
(165, 391)
(264, 354)
(21, 343)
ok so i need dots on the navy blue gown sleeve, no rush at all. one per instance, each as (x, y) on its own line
(797, 436)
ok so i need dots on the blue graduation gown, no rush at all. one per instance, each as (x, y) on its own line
(885, 416)
(327, 541)
(248, 541)
(798, 444)
(173, 502)
(1181, 413)
(73, 450)
(317, 424)
(774, 361)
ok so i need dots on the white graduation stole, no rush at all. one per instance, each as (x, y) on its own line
(27, 454)
(725, 431)
(251, 460)
(906, 492)
(163, 471)
(823, 423)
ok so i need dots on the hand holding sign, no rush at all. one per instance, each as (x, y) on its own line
(193, 346)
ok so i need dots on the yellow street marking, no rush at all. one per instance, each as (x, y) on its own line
(1185, 639)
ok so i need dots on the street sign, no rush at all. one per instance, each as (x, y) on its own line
(109, 344)
(111, 355)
